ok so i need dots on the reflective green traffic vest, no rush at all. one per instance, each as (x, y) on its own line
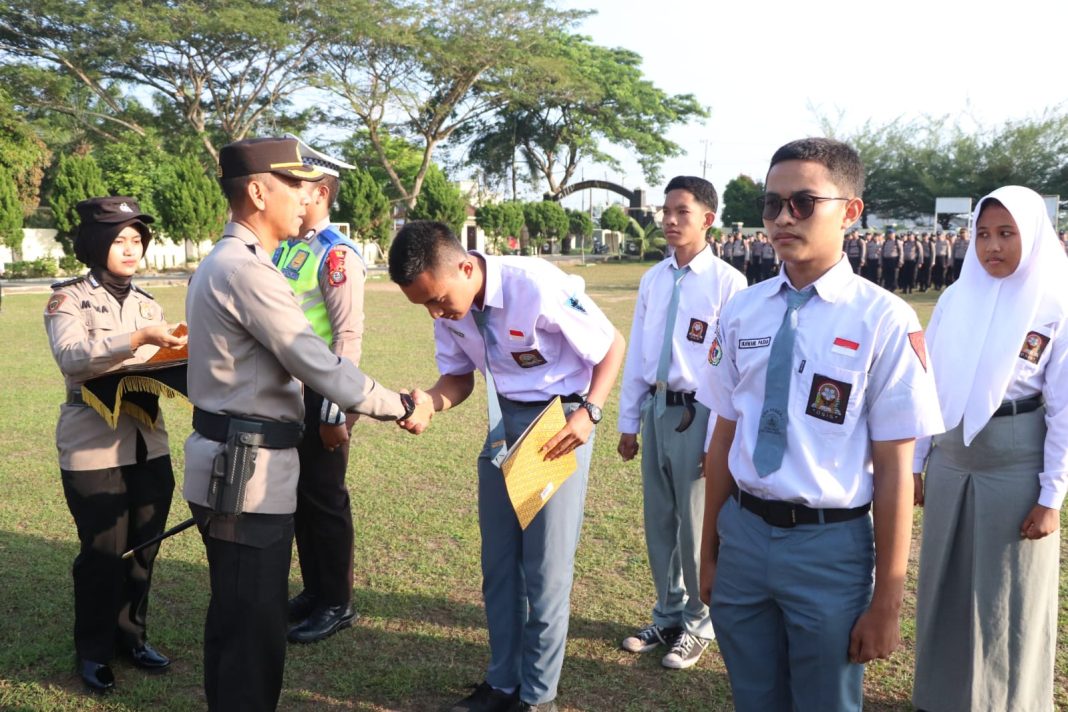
(302, 263)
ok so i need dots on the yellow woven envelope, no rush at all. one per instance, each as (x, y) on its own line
(532, 481)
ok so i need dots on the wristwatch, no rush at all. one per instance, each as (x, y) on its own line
(593, 410)
(408, 403)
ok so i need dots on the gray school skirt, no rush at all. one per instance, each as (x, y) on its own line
(986, 602)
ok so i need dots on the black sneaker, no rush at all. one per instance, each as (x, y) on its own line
(685, 651)
(649, 638)
(486, 698)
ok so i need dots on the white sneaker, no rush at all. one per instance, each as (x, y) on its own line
(685, 651)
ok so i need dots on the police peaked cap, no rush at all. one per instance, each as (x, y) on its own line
(327, 164)
(280, 156)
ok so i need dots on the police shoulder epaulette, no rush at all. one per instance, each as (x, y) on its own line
(142, 291)
(67, 282)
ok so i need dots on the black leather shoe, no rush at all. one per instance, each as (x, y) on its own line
(322, 623)
(301, 606)
(148, 658)
(96, 676)
(486, 699)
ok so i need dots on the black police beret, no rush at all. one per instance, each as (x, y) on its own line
(266, 155)
(111, 209)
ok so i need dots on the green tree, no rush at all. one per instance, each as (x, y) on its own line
(131, 166)
(740, 202)
(78, 178)
(580, 225)
(614, 218)
(440, 200)
(403, 156)
(10, 213)
(23, 156)
(490, 218)
(362, 204)
(578, 97)
(512, 218)
(191, 206)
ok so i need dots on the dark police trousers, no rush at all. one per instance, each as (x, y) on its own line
(323, 520)
(245, 630)
(115, 509)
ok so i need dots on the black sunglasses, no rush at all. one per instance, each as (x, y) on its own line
(800, 205)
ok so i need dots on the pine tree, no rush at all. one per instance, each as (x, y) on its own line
(191, 206)
(10, 212)
(440, 200)
(78, 178)
(364, 206)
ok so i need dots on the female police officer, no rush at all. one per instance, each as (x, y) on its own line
(118, 481)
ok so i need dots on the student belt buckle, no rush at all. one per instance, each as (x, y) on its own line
(661, 386)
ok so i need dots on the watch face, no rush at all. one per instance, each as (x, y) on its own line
(594, 411)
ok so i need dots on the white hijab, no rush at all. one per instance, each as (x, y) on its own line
(980, 323)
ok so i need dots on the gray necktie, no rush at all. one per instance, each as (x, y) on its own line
(664, 363)
(498, 446)
(771, 438)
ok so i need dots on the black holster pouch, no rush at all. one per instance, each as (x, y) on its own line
(233, 467)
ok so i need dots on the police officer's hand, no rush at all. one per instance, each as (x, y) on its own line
(574, 434)
(917, 489)
(1040, 522)
(628, 446)
(333, 436)
(157, 335)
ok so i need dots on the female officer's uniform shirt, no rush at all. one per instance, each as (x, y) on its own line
(704, 290)
(546, 335)
(859, 374)
(89, 332)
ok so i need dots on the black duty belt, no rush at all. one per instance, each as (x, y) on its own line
(74, 397)
(676, 397)
(1019, 407)
(276, 435)
(571, 398)
(789, 514)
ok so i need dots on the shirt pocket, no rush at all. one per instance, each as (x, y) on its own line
(100, 325)
(828, 399)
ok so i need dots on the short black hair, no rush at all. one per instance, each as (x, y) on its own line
(840, 160)
(234, 188)
(332, 184)
(702, 190)
(989, 203)
(419, 246)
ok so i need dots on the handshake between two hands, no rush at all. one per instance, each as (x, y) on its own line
(419, 420)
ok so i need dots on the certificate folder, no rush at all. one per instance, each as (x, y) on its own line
(530, 479)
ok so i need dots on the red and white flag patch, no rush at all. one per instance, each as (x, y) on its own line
(515, 334)
(845, 347)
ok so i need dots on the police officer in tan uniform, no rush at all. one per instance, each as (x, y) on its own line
(326, 273)
(117, 481)
(249, 342)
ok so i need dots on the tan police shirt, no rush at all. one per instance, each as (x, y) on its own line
(248, 343)
(89, 333)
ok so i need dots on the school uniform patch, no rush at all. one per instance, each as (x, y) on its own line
(529, 359)
(335, 265)
(575, 304)
(515, 335)
(55, 303)
(920, 347)
(762, 342)
(715, 352)
(1033, 346)
(828, 399)
(292, 268)
(147, 312)
(845, 347)
(697, 331)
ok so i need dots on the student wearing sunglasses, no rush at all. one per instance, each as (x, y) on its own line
(820, 383)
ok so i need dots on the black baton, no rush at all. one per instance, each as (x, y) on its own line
(155, 540)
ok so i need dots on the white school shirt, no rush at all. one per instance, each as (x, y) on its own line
(547, 335)
(705, 289)
(859, 374)
(1041, 367)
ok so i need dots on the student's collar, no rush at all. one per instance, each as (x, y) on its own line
(829, 286)
(493, 296)
(700, 262)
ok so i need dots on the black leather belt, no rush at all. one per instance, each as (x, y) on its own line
(276, 435)
(676, 397)
(789, 514)
(572, 398)
(75, 397)
(1018, 407)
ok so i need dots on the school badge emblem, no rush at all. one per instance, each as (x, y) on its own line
(147, 312)
(697, 331)
(529, 359)
(1033, 347)
(715, 352)
(828, 399)
(575, 304)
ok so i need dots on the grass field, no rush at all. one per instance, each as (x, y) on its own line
(421, 638)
